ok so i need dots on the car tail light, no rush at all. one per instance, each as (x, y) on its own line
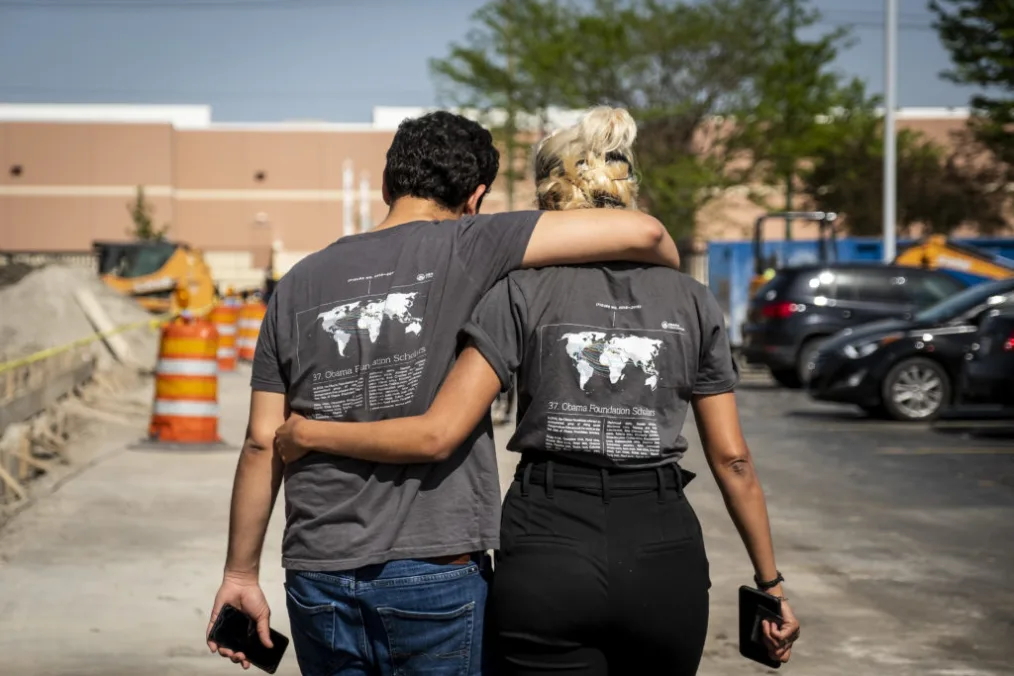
(781, 309)
(1008, 346)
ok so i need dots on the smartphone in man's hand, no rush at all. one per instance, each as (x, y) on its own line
(237, 631)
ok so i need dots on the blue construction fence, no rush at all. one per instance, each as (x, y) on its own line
(731, 265)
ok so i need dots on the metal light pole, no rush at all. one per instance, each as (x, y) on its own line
(890, 136)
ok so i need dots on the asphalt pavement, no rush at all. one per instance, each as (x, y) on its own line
(895, 540)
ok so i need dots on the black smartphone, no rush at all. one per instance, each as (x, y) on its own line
(237, 631)
(756, 606)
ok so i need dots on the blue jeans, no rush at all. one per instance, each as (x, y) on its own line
(398, 618)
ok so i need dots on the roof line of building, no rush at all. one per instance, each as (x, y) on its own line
(385, 118)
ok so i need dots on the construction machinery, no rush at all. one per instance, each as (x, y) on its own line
(765, 266)
(967, 262)
(152, 270)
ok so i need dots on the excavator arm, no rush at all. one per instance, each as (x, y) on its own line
(936, 252)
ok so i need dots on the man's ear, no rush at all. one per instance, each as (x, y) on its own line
(475, 200)
(385, 193)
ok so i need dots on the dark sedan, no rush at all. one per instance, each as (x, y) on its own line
(988, 377)
(906, 369)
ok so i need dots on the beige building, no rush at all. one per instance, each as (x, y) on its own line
(68, 173)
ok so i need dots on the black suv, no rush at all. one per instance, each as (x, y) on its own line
(799, 308)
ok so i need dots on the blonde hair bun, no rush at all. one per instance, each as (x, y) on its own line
(590, 164)
(604, 130)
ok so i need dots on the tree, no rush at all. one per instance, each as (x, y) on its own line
(938, 189)
(142, 214)
(677, 66)
(979, 34)
(784, 119)
(506, 69)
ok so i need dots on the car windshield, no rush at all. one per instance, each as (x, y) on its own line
(962, 302)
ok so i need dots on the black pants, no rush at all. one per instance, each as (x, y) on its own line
(599, 572)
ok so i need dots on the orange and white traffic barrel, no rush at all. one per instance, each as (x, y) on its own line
(186, 384)
(225, 316)
(250, 317)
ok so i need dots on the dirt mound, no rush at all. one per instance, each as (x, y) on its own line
(41, 311)
(12, 273)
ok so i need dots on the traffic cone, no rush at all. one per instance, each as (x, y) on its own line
(250, 317)
(225, 316)
(185, 411)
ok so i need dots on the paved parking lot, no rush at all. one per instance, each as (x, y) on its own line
(896, 541)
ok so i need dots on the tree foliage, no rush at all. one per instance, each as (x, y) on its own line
(784, 118)
(979, 34)
(142, 214)
(675, 66)
(937, 188)
(724, 94)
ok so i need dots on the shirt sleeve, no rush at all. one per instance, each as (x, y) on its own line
(496, 328)
(717, 371)
(490, 246)
(267, 374)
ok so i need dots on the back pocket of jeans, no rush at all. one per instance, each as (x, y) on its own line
(430, 643)
(312, 621)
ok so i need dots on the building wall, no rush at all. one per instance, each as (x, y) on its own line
(219, 189)
(77, 179)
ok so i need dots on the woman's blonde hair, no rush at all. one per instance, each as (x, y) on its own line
(588, 165)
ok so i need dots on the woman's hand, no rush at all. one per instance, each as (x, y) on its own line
(289, 439)
(780, 639)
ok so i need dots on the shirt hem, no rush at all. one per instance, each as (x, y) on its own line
(717, 388)
(325, 565)
(487, 348)
(262, 386)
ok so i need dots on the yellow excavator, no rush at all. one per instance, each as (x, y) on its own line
(151, 271)
(936, 252)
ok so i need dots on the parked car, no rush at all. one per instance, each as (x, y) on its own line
(906, 369)
(988, 376)
(799, 308)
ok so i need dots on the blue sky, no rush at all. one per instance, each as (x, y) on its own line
(268, 60)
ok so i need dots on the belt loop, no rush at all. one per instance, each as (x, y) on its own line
(661, 484)
(605, 485)
(549, 479)
(526, 478)
(679, 478)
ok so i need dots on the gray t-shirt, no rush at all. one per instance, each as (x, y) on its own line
(607, 358)
(367, 329)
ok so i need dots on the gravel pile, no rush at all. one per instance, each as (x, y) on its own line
(12, 273)
(40, 311)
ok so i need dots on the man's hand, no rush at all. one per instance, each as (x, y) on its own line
(242, 592)
(288, 438)
(780, 639)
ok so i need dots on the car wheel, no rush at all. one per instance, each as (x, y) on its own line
(786, 378)
(916, 390)
(804, 362)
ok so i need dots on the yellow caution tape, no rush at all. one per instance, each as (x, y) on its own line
(152, 323)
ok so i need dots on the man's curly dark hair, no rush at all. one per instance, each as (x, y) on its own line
(441, 157)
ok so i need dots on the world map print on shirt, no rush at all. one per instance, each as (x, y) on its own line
(603, 390)
(343, 321)
(594, 353)
(367, 352)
